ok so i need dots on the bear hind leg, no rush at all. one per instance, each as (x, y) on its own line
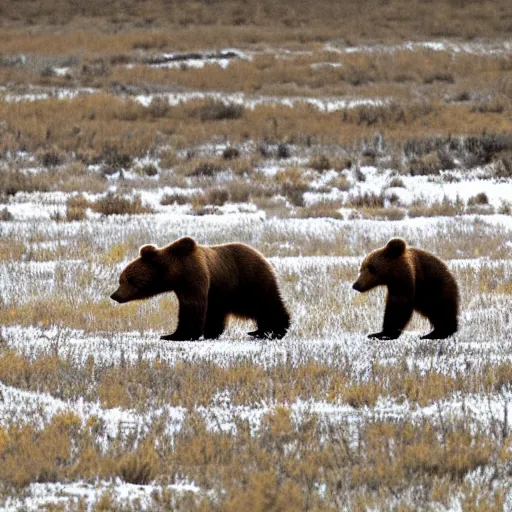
(444, 322)
(272, 328)
(437, 334)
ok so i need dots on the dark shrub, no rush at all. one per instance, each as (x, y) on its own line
(218, 110)
(230, 153)
(207, 168)
(115, 158)
(283, 151)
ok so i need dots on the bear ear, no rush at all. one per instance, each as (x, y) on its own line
(148, 251)
(183, 245)
(395, 247)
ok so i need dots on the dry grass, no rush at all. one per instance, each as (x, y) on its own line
(445, 208)
(106, 128)
(235, 22)
(285, 460)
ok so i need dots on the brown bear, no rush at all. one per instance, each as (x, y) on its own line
(211, 282)
(416, 280)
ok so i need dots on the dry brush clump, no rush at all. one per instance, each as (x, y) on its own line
(115, 204)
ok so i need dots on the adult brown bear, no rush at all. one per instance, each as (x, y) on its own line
(416, 281)
(211, 282)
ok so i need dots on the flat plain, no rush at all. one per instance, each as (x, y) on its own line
(313, 131)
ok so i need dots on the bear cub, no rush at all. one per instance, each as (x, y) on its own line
(416, 281)
(211, 283)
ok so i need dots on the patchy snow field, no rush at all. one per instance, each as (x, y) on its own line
(330, 322)
(73, 361)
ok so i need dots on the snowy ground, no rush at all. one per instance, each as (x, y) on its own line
(69, 266)
(484, 339)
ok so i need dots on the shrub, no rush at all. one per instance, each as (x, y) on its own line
(51, 158)
(95, 68)
(341, 183)
(366, 200)
(439, 76)
(503, 165)
(481, 150)
(150, 170)
(320, 163)
(396, 182)
(391, 213)
(495, 105)
(15, 180)
(76, 208)
(207, 168)
(5, 214)
(426, 165)
(168, 159)
(240, 191)
(139, 468)
(115, 158)
(446, 208)
(283, 151)
(479, 199)
(217, 196)
(293, 185)
(175, 198)
(341, 163)
(325, 208)
(230, 153)
(294, 195)
(113, 204)
(217, 111)
(159, 106)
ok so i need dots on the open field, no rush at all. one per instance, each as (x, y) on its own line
(313, 132)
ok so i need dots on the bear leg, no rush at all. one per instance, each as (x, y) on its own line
(191, 318)
(273, 323)
(397, 314)
(443, 318)
(273, 331)
(265, 334)
(214, 324)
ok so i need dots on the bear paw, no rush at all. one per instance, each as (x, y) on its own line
(385, 335)
(436, 335)
(176, 336)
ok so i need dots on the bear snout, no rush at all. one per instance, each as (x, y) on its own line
(116, 296)
(356, 286)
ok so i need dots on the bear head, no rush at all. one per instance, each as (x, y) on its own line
(156, 270)
(377, 267)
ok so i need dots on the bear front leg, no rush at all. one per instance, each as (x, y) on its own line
(396, 316)
(215, 323)
(191, 318)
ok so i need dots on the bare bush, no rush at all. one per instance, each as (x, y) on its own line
(319, 163)
(76, 208)
(218, 111)
(175, 198)
(217, 196)
(6, 215)
(114, 204)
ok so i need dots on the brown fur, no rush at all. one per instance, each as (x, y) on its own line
(211, 282)
(416, 281)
